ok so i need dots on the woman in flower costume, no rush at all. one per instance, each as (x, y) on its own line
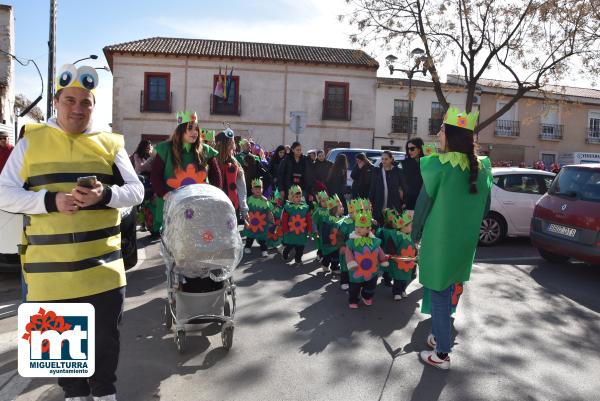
(297, 225)
(345, 227)
(180, 161)
(396, 243)
(275, 231)
(455, 193)
(365, 258)
(319, 213)
(260, 216)
(232, 173)
(331, 238)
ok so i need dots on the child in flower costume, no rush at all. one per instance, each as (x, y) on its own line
(364, 257)
(180, 161)
(275, 232)
(455, 194)
(396, 243)
(319, 213)
(331, 238)
(345, 227)
(297, 224)
(260, 216)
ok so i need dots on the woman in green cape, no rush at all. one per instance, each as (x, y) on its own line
(455, 194)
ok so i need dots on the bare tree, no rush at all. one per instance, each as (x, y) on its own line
(533, 41)
(21, 103)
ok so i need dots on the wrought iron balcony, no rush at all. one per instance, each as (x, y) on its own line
(551, 132)
(507, 128)
(404, 125)
(434, 125)
(225, 107)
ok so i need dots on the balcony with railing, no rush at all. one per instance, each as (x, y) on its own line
(404, 125)
(507, 128)
(551, 132)
(593, 135)
(230, 107)
(148, 105)
(435, 125)
(336, 111)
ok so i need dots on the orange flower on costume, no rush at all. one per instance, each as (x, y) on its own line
(367, 264)
(333, 237)
(458, 289)
(187, 177)
(256, 221)
(406, 265)
(297, 224)
(462, 122)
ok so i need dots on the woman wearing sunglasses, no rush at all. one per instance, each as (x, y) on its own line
(180, 161)
(412, 173)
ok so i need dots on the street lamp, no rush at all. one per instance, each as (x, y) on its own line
(91, 56)
(420, 59)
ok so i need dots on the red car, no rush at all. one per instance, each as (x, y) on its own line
(566, 221)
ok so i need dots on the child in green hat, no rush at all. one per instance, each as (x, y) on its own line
(297, 225)
(260, 215)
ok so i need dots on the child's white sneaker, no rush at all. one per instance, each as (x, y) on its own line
(397, 297)
(326, 269)
(431, 358)
(403, 294)
(264, 254)
(76, 399)
(344, 287)
(431, 343)
(247, 251)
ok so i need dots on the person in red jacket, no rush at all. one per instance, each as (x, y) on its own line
(5, 148)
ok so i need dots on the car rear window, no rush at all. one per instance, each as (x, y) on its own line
(579, 183)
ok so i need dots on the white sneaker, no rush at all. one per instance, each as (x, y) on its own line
(431, 358)
(247, 251)
(397, 297)
(76, 399)
(403, 294)
(111, 397)
(431, 343)
(264, 254)
(344, 287)
(326, 269)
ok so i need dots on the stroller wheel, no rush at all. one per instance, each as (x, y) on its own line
(180, 341)
(168, 317)
(227, 336)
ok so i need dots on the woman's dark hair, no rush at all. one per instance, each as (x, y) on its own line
(417, 142)
(142, 149)
(295, 145)
(363, 158)
(177, 145)
(278, 149)
(389, 153)
(340, 165)
(225, 156)
(461, 140)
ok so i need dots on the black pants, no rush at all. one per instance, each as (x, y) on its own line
(399, 287)
(332, 260)
(109, 309)
(365, 289)
(344, 278)
(299, 252)
(250, 241)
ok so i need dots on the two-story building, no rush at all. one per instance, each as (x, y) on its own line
(400, 116)
(329, 93)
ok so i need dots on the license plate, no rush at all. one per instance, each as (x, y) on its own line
(562, 230)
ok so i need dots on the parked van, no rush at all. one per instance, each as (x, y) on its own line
(351, 156)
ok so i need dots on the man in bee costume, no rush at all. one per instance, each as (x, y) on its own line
(71, 236)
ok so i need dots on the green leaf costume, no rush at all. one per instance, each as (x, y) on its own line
(296, 216)
(397, 244)
(365, 250)
(259, 218)
(331, 238)
(275, 233)
(319, 214)
(449, 218)
(345, 227)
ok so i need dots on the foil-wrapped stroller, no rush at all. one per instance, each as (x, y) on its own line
(201, 247)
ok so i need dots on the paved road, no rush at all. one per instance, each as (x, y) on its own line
(525, 330)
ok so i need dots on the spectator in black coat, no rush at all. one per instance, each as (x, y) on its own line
(361, 176)
(338, 175)
(274, 162)
(294, 170)
(320, 168)
(386, 186)
(412, 172)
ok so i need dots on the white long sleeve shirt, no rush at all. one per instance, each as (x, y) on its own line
(14, 198)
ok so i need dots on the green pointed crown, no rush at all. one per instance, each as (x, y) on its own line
(366, 204)
(355, 205)
(406, 218)
(207, 134)
(391, 216)
(461, 119)
(322, 196)
(294, 189)
(257, 183)
(333, 202)
(363, 219)
(184, 117)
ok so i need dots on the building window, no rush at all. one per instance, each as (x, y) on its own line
(402, 107)
(337, 104)
(436, 119)
(594, 127)
(230, 102)
(402, 122)
(156, 95)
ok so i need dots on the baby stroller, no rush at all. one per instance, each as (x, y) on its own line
(201, 247)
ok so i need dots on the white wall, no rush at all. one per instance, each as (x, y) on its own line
(423, 97)
(269, 92)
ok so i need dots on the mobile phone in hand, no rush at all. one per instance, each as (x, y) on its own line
(87, 182)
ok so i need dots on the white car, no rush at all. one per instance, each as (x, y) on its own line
(514, 195)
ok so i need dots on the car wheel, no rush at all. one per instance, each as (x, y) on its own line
(493, 230)
(553, 257)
